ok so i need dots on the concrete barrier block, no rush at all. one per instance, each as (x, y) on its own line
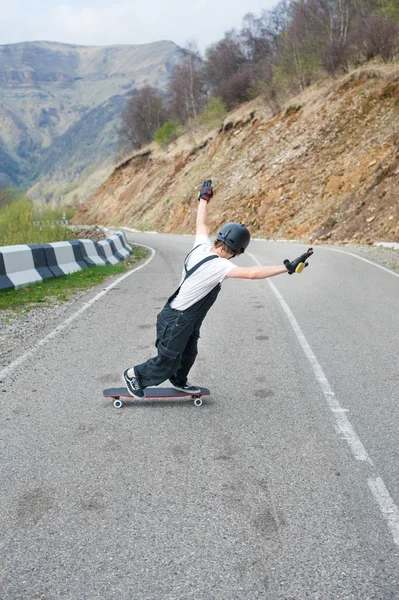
(19, 266)
(80, 254)
(106, 251)
(51, 260)
(5, 281)
(39, 259)
(123, 238)
(119, 250)
(65, 259)
(92, 253)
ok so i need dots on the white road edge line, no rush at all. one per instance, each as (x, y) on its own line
(370, 262)
(342, 423)
(389, 510)
(387, 506)
(21, 359)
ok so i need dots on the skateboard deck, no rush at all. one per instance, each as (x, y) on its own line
(154, 393)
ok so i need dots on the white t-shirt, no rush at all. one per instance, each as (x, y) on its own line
(205, 278)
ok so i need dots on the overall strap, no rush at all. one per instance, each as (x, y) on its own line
(186, 259)
(191, 271)
(195, 267)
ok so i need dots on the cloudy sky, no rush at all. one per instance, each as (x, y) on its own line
(102, 22)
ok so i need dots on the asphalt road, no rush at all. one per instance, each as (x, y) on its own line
(283, 485)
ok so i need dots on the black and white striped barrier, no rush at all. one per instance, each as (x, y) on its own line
(91, 252)
(115, 248)
(123, 240)
(24, 264)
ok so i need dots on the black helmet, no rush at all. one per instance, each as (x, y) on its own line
(235, 236)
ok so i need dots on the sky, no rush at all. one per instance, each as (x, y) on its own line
(102, 22)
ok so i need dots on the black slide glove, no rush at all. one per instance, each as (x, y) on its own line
(206, 191)
(298, 265)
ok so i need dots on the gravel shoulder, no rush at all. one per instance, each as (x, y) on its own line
(19, 330)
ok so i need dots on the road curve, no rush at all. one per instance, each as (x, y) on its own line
(283, 485)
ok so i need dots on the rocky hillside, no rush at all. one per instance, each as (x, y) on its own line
(325, 168)
(60, 107)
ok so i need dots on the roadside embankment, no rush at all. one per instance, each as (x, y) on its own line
(325, 169)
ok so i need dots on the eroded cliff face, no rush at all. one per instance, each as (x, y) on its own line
(325, 168)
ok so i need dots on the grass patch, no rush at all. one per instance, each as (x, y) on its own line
(16, 225)
(60, 289)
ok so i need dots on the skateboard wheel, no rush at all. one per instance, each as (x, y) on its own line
(118, 403)
(198, 401)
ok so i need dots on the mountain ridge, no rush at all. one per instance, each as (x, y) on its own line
(48, 88)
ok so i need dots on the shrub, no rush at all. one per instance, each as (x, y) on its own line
(16, 226)
(7, 195)
(236, 89)
(167, 133)
(381, 36)
(213, 112)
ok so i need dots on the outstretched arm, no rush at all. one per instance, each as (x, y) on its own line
(294, 266)
(206, 193)
(256, 272)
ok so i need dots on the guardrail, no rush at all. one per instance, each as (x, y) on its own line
(25, 264)
(59, 222)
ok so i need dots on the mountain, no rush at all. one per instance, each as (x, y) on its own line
(59, 111)
(326, 167)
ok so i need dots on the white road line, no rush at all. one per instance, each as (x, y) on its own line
(21, 359)
(389, 510)
(342, 423)
(387, 506)
(370, 262)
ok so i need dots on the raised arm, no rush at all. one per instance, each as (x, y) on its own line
(201, 226)
(206, 193)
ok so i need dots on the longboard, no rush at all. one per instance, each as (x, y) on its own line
(154, 392)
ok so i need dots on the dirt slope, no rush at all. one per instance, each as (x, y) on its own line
(325, 168)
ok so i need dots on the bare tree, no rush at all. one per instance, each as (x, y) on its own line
(144, 113)
(224, 59)
(235, 90)
(255, 39)
(380, 37)
(276, 23)
(187, 86)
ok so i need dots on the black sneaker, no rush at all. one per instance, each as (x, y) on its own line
(133, 386)
(187, 388)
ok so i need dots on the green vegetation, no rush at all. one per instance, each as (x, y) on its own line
(6, 196)
(53, 214)
(60, 289)
(213, 113)
(274, 56)
(167, 133)
(16, 223)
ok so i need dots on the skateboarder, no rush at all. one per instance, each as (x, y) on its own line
(179, 322)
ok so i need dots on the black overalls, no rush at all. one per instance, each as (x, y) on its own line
(177, 337)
